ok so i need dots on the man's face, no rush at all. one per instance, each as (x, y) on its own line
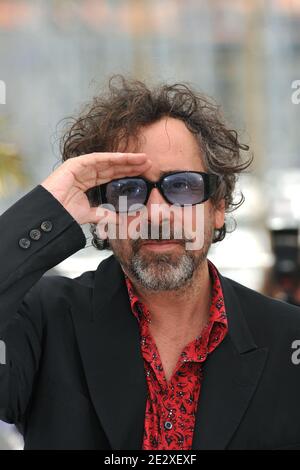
(162, 265)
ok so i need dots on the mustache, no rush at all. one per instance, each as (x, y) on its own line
(161, 234)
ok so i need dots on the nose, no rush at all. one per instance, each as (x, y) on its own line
(155, 197)
(157, 208)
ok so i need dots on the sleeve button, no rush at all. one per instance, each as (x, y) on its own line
(35, 234)
(24, 243)
(46, 226)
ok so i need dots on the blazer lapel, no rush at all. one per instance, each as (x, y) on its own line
(230, 376)
(109, 343)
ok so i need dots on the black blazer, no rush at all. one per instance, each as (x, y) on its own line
(74, 375)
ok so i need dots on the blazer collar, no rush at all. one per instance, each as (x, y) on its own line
(230, 377)
(109, 343)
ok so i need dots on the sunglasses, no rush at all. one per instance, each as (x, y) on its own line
(177, 187)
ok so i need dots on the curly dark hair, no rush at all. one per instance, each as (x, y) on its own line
(109, 120)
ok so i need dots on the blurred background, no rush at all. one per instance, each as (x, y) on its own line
(56, 54)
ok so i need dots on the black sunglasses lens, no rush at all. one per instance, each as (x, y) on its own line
(133, 190)
(184, 188)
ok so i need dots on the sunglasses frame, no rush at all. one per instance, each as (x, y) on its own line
(210, 185)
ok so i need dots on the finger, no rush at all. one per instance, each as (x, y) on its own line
(127, 158)
(122, 171)
(112, 162)
(130, 169)
(111, 158)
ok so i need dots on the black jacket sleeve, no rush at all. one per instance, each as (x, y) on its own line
(36, 233)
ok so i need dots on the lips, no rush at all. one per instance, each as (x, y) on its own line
(156, 242)
(160, 244)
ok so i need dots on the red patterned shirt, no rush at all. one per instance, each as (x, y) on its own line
(171, 406)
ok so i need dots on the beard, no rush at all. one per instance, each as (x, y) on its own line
(161, 271)
(164, 272)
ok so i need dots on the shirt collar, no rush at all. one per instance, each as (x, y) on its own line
(217, 308)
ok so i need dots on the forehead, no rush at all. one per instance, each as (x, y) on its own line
(171, 146)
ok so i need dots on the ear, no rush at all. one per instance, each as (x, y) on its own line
(219, 214)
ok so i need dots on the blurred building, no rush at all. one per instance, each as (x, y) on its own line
(54, 55)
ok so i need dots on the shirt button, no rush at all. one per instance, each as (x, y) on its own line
(24, 243)
(168, 425)
(35, 234)
(46, 226)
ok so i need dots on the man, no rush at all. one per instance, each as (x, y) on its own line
(155, 349)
